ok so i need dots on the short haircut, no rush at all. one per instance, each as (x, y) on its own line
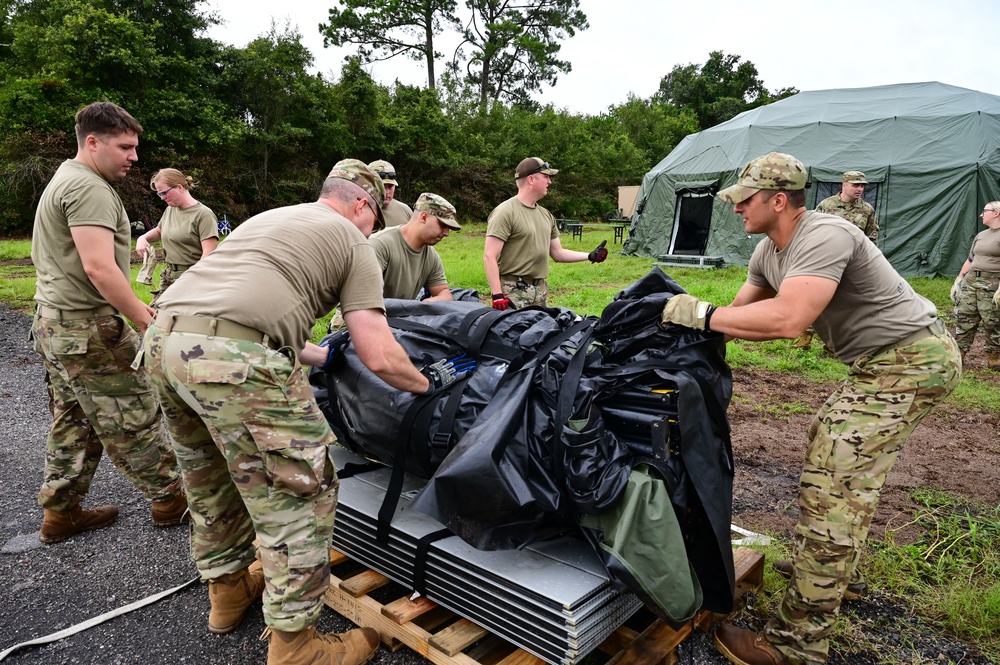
(104, 119)
(796, 197)
(341, 189)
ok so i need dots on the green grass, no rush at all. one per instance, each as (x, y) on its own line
(12, 250)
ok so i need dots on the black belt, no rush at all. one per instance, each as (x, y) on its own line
(177, 267)
(984, 273)
(47, 312)
(203, 325)
(524, 281)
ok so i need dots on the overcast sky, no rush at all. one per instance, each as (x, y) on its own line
(631, 44)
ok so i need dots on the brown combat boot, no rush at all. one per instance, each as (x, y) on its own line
(172, 511)
(58, 525)
(803, 341)
(308, 647)
(745, 647)
(231, 595)
(993, 361)
(854, 589)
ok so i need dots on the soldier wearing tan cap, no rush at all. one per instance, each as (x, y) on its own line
(407, 255)
(819, 269)
(396, 212)
(225, 354)
(849, 205)
(521, 236)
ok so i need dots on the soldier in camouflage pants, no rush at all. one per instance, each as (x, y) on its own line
(525, 293)
(259, 402)
(98, 402)
(975, 306)
(818, 268)
(854, 441)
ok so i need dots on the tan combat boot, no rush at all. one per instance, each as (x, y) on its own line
(171, 511)
(231, 595)
(745, 647)
(308, 647)
(803, 341)
(993, 361)
(58, 525)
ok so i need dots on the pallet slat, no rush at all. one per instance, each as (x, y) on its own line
(399, 622)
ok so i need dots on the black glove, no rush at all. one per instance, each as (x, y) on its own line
(599, 254)
(445, 372)
(502, 302)
(335, 342)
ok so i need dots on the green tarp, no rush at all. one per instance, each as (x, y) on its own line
(931, 152)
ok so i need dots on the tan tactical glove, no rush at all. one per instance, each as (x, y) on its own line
(686, 310)
(956, 289)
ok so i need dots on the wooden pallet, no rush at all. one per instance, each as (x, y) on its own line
(444, 638)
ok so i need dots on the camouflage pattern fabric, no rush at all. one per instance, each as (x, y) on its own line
(253, 449)
(860, 213)
(772, 171)
(169, 275)
(523, 294)
(854, 441)
(975, 306)
(98, 402)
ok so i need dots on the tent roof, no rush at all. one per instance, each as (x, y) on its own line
(881, 125)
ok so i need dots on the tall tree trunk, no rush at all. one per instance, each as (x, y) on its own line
(429, 43)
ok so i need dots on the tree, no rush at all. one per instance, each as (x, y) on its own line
(720, 89)
(654, 128)
(514, 44)
(384, 29)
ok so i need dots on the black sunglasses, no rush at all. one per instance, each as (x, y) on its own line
(386, 174)
(541, 167)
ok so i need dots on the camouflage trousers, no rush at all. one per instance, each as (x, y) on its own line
(975, 306)
(526, 292)
(253, 449)
(99, 403)
(168, 276)
(854, 441)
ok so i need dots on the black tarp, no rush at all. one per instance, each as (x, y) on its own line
(552, 422)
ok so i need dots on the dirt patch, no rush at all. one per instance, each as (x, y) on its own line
(952, 450)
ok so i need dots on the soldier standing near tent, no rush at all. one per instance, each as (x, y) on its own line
(849, 205)
(395, 211)
(225, 353)
(976, 292)
(521, 236)
(80, 246)
(820, 269)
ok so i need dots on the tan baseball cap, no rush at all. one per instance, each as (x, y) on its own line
(385, 170)
(358, 172)
(775, 170)
(855, 177)
(533, 165)
(437, 206)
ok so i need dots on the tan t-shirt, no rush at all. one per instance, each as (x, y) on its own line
(526, 233)
(280, 271)
(396, 213)
(76, 196)
(985, 252)
(405, 270)
(182, 230)
(872, 307)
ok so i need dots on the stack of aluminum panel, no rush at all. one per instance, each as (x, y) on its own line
(553, 599)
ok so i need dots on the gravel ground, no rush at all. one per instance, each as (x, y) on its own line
(50, 588)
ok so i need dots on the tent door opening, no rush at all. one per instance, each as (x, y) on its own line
(692, 221)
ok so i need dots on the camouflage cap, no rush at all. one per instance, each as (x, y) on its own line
(531, 165)
(437, 206)
(385, 170)
(357, 172)
(775, 170)
(856, 177)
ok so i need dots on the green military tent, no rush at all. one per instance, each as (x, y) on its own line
(931, 153)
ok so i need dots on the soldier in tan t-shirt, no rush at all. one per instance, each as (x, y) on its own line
(407, 255)
(188, 229)
(521, 236)
(80, 246)
(226, 354)
(396, 212)
(822, 270)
